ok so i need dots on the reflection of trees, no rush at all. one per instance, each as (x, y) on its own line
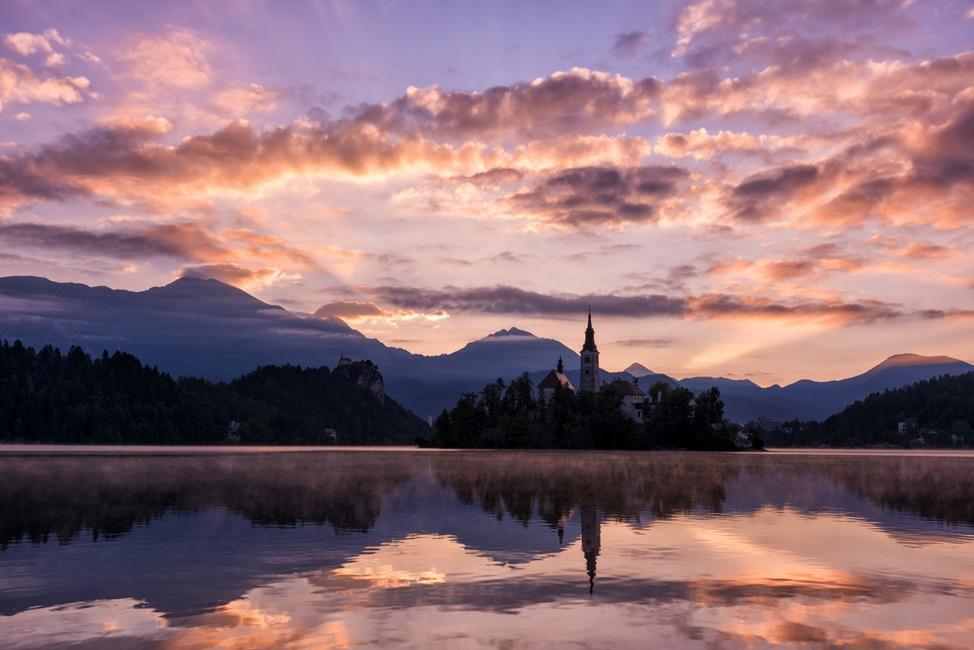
(108, 496)
(616, 485)
(938, 488)
(60, 496)
(553, 486)
(622, 485)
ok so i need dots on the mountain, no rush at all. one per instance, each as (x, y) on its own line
(807, 399)
(205, 328)
(192, 327)
(638, 370)
(816, 400)
(505, 353)
(939, 411)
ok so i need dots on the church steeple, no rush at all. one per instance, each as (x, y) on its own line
(589, 334)
(589, 375)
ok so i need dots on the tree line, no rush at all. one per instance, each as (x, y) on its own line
(511, 416)
(47, 396)
(936, 412)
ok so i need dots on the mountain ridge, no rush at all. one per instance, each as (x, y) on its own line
(204, 327)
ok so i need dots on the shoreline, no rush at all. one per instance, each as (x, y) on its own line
(41, 449)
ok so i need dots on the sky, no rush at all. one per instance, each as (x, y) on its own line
(757, 190)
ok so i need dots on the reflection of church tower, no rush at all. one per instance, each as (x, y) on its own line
(591, 542)
(562, 521)
(589, 377)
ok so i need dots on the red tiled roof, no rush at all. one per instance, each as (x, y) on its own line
(626, 388)
(554, 379)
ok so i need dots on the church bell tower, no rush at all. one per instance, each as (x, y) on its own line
(589, 378)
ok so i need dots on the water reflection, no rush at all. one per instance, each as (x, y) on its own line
(360, 549)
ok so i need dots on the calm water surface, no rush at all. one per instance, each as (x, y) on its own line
(342, 549)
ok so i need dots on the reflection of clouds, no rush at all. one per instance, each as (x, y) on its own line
(76, 623)
(771, 577)
(414, 560)
(786, 553)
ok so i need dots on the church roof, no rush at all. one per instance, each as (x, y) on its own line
(626, 388)
(554, 379)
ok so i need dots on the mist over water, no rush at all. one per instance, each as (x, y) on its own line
(391, 548)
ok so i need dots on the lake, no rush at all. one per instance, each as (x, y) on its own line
(330, 548)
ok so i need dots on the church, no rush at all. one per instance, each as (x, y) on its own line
(590, 379)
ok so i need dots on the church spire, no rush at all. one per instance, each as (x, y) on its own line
(589, 371)
(589, 333)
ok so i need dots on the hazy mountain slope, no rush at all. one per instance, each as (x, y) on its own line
(210, 329)
(939, 410)
(828, 397)
(505, 353)
(190, 327)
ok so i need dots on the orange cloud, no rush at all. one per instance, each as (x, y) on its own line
(19, 85)
(176, 59)
(241, 277)
(358, 311)
(560, 102)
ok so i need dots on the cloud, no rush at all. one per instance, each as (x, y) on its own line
(479, 155)
(25, 43)
(708, 31)
(513, 300)
(356, 311)
(592, 196)
(629, 43)
(717, 305)
(918, 173)
(702, 145)
(789, 269)
(644, 343)
(561, 102)
(244, 278)
(926, 251)
(125, 160)
(185, 241)
(761, 197)
(807, 263)
(832, 86)
(246, 100)
(19, 85)
(175, 59)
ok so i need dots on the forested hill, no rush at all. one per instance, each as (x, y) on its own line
(47, 396)
(939, 412)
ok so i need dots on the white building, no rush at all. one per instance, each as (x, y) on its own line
(633, 398)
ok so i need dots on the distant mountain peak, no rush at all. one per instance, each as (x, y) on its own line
(907, 359)
(512, 331)
(207, 289)
(638, 370)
